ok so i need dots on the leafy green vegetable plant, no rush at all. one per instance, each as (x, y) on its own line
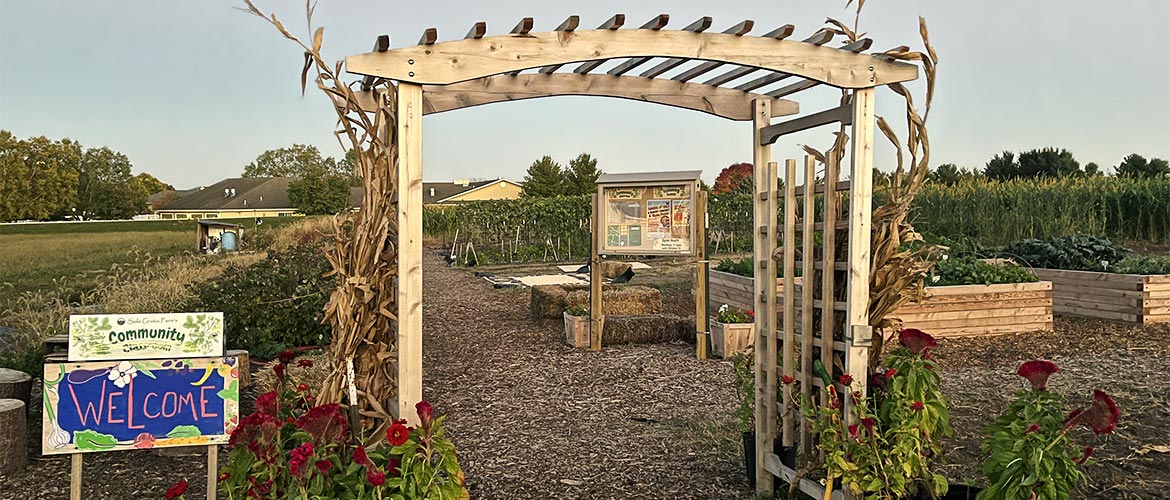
(1029, 452)
(1076, 253)
(971, 271)
(1144, 264)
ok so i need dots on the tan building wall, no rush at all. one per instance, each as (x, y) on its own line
(225, 214)
(499, 190)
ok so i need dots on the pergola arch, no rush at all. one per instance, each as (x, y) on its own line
(753, 77)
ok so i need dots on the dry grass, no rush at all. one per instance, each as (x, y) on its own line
(304, 231)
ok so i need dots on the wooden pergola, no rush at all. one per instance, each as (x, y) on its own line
(729, 74)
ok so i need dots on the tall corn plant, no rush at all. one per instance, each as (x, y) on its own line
(363, 308)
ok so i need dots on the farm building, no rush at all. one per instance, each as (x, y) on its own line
(239, 198)
(462, 190)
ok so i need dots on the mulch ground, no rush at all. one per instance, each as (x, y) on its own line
(535, 419)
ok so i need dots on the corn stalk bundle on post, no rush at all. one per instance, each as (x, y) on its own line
(363, 308)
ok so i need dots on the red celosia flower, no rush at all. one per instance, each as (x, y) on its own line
(325, 423)
(890, 373)
(278, 369)
(1037, 372)
(360, 457)
(225, 476)
(268, 403)
(786, 380)
(302, 387)
(917, 406)
(853, 431)
(392, 466)
(397, 434)
(1032, 428)
(426, 413)
(288, 420)
(1100, 416)
(846, 379)
(286, 357)
(324, 466)
(305, 363)
(176, 490)
(869, 424)
(1084, 456)
(375, 477)
(917, 341)
(299, 457)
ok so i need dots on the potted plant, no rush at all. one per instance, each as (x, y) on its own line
(577, 325)
(884, 447)
(1029, 451)
(732, 331)
(745, 415)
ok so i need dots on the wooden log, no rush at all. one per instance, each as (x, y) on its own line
(15, 385)
(243, 365)
(13, 436)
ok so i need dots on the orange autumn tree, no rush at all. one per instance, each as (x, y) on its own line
(735, 178)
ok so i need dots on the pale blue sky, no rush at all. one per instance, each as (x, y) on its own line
(193, 90)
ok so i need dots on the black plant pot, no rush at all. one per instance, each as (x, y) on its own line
(955, 492)
(787, 455)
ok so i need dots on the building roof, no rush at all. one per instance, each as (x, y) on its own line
(435, 192)
(650, 177)
(238, 194)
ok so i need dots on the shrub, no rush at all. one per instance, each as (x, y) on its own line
(741, 267)
(273, 304)
(1075, 253)
(971, 271)
(1144, 264)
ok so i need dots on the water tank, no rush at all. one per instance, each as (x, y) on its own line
(228, 241)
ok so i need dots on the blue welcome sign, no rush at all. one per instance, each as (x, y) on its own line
(118, 405)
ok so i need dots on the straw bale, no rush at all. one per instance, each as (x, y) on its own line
(647, 329)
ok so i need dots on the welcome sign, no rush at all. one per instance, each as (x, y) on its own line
(119, 405)
(145, 336)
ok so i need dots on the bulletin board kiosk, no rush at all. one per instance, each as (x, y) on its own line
(651, 213)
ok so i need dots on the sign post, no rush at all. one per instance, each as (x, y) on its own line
(140, 381)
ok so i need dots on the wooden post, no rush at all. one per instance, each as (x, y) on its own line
(13, 436)
(596, 318)
(409, 136)
(788, 359)
(212, 471)
(75, 476)
(808, 283)
(769, 332)
(764, 233)
(702, 323)
(859, 333)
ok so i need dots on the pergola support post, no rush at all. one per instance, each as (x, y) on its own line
(859, 332)
(409, 137)
(764, 224)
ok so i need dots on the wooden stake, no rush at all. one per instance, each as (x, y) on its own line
(212, 470)
(75, 477)
(702, 323)
(410, 113)
(764, 227)
(596, 318)
(789, 355)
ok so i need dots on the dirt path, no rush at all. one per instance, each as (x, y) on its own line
(536, 419)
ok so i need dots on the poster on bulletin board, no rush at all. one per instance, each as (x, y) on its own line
(648, 214)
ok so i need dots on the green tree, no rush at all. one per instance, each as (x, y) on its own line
(319, 193)
(294, 161)
(150, 183)
(1048, 162)
(544, 178)
(1093, 169)
(581, 175)
(104, 187)
(1135, 165)
(38, 177)
(947, 173)
(1002, 167)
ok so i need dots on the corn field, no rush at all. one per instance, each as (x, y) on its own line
(997, 213)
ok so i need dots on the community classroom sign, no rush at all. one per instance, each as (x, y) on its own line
(119, 405)
(145, 336)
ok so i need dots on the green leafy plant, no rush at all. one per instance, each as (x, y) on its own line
(1143, 264)
(1029, 451)
(728, 314)
(745, 388)
(886, 446)
(1076, 253)
(288, 448)
(577, 310)
(972, 271)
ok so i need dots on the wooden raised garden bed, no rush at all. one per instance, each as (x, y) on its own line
(1136, 298)
(945, 311)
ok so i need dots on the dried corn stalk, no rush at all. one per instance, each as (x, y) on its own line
(363, 308)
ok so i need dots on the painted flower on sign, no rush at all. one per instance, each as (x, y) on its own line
(123, 373)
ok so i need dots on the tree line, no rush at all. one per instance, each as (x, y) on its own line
(322, 184)
(1050, 163)
(546, 177)
(47, 179)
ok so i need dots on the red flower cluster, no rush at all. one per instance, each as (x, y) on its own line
(845, 379)
(299, 457)
(1037, 372)
(360, 457)
(1101, 416)
(426, 414)
(787, 380)
(398, 433)
(917, 406)
(917, 341)
(375, 477)
(286, 357)
(176, 490)
(305, 363)
(268, 403)
(325, 423)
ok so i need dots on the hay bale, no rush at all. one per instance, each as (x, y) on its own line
(613, 269)
(547, 301)
(647, 329)
(623, 299)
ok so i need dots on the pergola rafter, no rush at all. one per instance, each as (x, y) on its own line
(437, 76)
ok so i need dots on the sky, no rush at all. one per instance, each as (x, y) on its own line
(193, 90)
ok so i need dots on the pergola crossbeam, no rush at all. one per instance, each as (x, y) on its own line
(737, 73)
(740, 29)
(655, 24)
(568, 26)
(840, 114)
(698, 26)
(819, 38)
(477, 31)
(669, 64)
(805, 84)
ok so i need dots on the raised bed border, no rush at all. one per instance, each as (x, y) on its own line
(1134, 298)
(945, 311)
